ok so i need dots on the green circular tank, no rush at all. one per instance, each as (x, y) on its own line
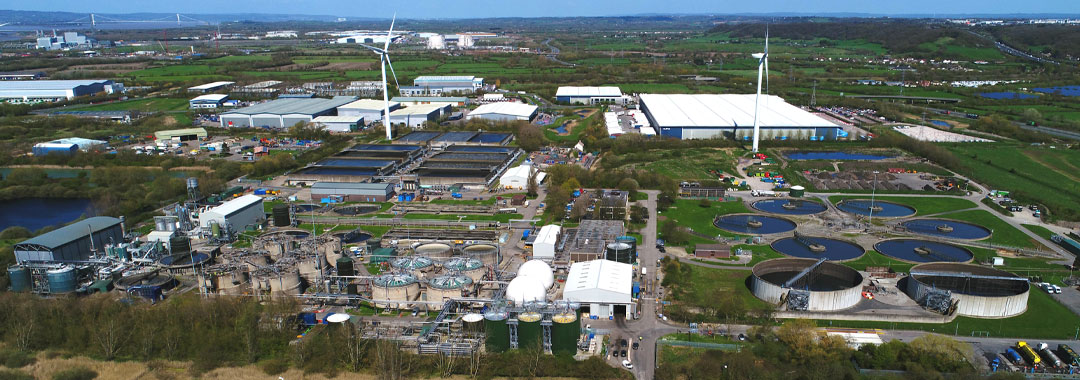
(530, 334)
(20, 278)
(345, 268)
(497, 331)
(565, 331)
(797, 191)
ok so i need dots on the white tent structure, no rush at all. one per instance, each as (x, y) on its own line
(603, 285)
(544, 245)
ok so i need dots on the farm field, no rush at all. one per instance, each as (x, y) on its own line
(142, 105)
(683, 165)
(1035, 175)
(688, 213)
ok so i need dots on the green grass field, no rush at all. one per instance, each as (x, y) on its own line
(1045, 176)
(1004, 233)
(922, 205)
(1039, 230)
(689, 164)
(142, 105)
(708, 281)
(688, 213)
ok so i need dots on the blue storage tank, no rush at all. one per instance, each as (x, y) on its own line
(1014, 356)
(61, 280)
(401, 197)
(19, 277)
(44, 149)
(577, 193)
(525, 234)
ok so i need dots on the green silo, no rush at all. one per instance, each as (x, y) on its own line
(497, 331)
(565, 331)
(530, 333)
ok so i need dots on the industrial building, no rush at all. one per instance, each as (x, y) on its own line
(705, 116)
(460, 138)
(466, 165)
(210, 87)
(443, 85)
(22, 75)
(453, 101)
(344, 169)
(504, 111)
(712, 251)
(517, 178)
(397, 151)
(283, 113)
(65, 41)
(370, 109)
(211, 101)
(72, 242)
(343, 124)
(416, 116)
(186, 134)
(604, 285)
(53, 90)
(589, 95)
(352, 191)
(238, 214)
(594, 239)
(806, 284)
(968, 290)
(546, 241)
(69, 146)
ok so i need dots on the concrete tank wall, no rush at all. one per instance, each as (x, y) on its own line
(766, 291)
(395, 296)
(835, 300)
(998, 298)
(820, 300)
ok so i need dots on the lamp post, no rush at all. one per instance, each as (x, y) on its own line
(873, 194)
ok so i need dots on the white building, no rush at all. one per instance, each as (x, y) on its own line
(705, 116)
(33, 91)
(370, 109)
(504, 111)
(238, 213)
(517, 178)
(546, 239)
(604, 286)
(211, 87)
(415, 116)
(208, 101)
(589, 95)
(343, 124)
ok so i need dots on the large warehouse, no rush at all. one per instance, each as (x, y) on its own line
(602, 285)
(208, 101)
(371, 109)
(239, 213)
(343, 124)
(504, 111)
(443, 85)
(589, 95)
(705, 116)
(283, 113)
(71, 242)
(186, 134)
(517, 178)
(352, 192)
(35, 91)
(415, 116)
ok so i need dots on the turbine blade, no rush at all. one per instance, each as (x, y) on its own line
(372, 48)
(388, 63)
(389, 32)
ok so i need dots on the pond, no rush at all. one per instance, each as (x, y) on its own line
(36, 213)
(1007, 95)
(940, 123)
(562, 128)
(834, 156)
(1060, 90)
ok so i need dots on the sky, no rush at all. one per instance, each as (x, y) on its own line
(548, 8)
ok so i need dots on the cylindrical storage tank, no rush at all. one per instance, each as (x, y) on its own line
(565, 331)
(620, 252)
(215, 229)
(232, 283)
(395, 290)
(832, 286)
(993, 294)
(797, 191)
(472, 323)
(487, 253)
(345, 266)
(530, 333)
(280, 213)
(286, 283)
(254, 262)
(332, 253)
(468, 266)
(415, 265)
(539, 270)
(496, 331)
(19, 277)
(632, 241)
(434, 250)
(522, 290)
(179, 244)
(447, 287)
(373, 244)
(61, 280)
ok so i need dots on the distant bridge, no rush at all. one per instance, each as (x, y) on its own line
(95, 19)
(927, 99)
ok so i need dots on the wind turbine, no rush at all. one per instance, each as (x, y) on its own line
(384, 59)
(763, 63)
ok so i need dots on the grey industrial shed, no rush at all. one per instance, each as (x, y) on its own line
(352, 191)
(283, 113)
(72, 242)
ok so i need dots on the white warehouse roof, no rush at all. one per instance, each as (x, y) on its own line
(369, 104)
(544, 245)
(210, 98)
(726, 110)
(210, 86)
(419, 109)
(599, 281)
(235, 205)
(512, 109)
(589, 91)
(337, 119)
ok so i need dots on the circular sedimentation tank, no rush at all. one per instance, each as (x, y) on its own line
(435, 250)
(831, 286)
(280, 213)
(620, 252)
(155, 278)
(880, 209)
(286, 283)
(487, 253)
(530, 334)
(977, 291)
(946, 228)
(184, 260)
(307, 207)
(395, 290)
(754, 224)
(497, 332)
(357, 209)
(923, 251)
(815, 247)
(61, 280)
(467, 266)
(789, 206)
(565, 331)
(417, 265)
(20, 278)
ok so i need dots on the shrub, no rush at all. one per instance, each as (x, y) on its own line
(274, 366)
(76, 373)
(11, 374)
(16, 359)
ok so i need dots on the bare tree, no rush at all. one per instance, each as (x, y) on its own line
(110, 333)
(355, 347)
(475, 359)
(446, 364)
(534, 353)
(391, 363)
(22, 326)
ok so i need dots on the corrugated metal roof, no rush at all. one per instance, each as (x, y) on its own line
(210, 86)
(726, 111)
(45, 85)
(419, 109)
(588, 91)
(438, 99)
(370, 104)
(444, 78)
(210, 98)
(337, 119)
(604, 275)
(351, 186)
(235, 205)
(168, 134)
(505, 108)
(293, 106)
(72, 232)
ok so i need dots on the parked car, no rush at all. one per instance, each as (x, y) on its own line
(636, 345)
(622, 353)
(626, 364)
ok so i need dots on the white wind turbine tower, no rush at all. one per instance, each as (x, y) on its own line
(763, 64)
(384, 59)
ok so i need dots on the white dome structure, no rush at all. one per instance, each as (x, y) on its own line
(525, 289)
(539, 270)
